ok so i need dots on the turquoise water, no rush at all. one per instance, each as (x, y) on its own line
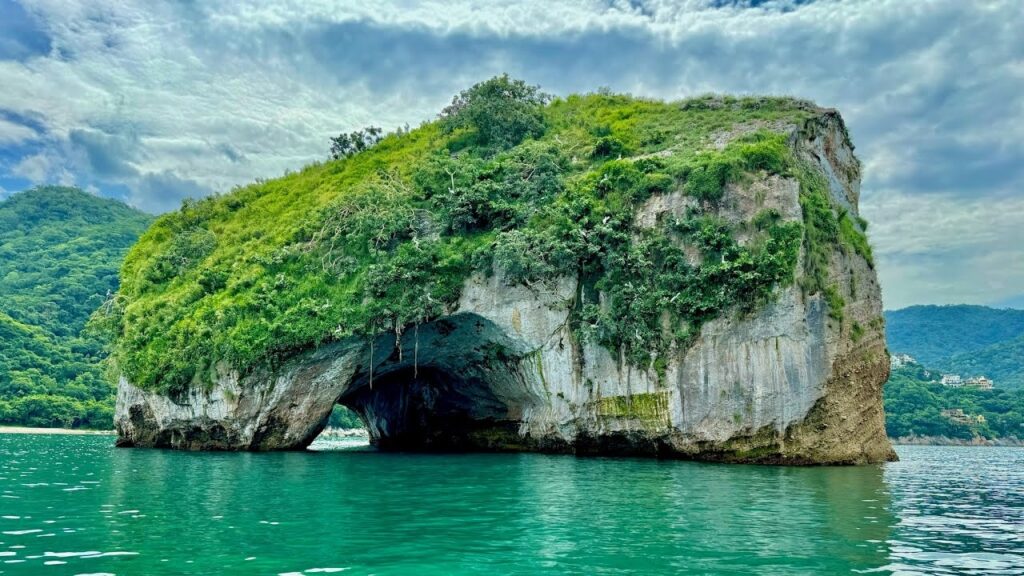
(76, 505)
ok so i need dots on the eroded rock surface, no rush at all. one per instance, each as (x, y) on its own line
(787, 384)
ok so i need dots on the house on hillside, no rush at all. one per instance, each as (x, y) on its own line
(960, 417)
(952, 380)
(981, 383)
(901, 360)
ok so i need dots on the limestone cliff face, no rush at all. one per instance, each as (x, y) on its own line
(790, 383)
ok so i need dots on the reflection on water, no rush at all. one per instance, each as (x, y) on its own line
(961, 510)
(74, 505)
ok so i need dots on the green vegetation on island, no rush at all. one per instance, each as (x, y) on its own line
(382, 238)
(60, 249)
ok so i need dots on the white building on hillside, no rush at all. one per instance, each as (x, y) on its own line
(900, 360)
(953, 380)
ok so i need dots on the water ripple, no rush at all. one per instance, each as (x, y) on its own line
(74, 505)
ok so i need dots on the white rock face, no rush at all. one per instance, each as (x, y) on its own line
(503, 371)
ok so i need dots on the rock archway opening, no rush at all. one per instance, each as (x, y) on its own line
(454, 385)
(432, 408)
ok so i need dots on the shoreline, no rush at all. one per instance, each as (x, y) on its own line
(943, 441)
(345, 432)
(65, 431)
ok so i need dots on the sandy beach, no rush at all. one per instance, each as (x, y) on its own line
(27, 430)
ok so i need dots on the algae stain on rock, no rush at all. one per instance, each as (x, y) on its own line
(647, 408)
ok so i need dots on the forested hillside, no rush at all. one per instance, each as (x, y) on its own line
(935, 333)
(60, 249)
(967, 340)
(914, 405)
(1003, 362)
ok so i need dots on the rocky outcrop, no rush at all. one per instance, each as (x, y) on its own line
(790, 383)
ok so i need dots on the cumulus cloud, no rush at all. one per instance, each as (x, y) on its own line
(169, 99)
(946, 248)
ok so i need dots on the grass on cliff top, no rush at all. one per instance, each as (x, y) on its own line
(383, 239)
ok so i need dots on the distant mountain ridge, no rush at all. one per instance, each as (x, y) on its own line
(60, 251)
(965, 339)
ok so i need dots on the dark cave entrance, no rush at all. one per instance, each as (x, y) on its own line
(432, 408)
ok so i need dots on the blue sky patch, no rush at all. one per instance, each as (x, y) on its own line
(21, 37)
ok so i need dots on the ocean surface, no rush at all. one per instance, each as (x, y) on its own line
(76, 505)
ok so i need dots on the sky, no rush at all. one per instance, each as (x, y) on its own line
(151, 101)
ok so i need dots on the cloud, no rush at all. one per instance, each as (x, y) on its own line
(12, 133)
(154, 100)
(947, 249)
(164, 191)
(36, 168)
(105, 155)
(1012, 302)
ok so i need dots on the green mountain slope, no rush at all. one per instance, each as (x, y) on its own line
(914, 405)
(44, 382)
(60, 249)
(382, 238)
(1002, 362)
(933, 334)
(968, 340)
